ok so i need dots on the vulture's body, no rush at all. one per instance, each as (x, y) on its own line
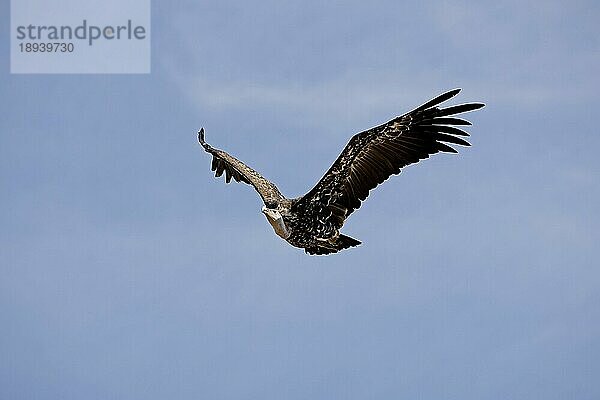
(313, 221)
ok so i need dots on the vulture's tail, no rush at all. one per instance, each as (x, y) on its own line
(342, 242)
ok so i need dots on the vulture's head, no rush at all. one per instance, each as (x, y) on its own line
(273, 213)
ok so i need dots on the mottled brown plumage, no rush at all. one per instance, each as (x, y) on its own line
(313, 221)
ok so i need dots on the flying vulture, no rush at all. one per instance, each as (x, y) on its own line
(313, 221)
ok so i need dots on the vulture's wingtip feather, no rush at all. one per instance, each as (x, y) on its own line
(201, 137)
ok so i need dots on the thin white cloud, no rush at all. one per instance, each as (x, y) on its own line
(512, 60)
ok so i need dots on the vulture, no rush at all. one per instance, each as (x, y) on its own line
(313, 222)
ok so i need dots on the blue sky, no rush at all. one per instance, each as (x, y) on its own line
(129, 272)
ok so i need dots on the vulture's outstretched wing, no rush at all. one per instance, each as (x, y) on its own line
(240, 172)
(370, 157)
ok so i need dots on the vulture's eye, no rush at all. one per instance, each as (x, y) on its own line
(271, 205)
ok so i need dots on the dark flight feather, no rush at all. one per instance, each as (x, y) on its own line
(224, 162)
(372, 156)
